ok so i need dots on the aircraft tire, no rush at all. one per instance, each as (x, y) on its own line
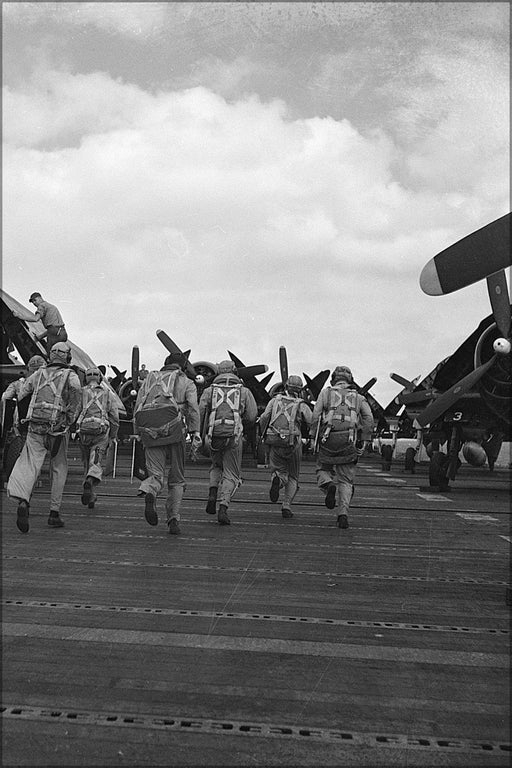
(410, 460)
(437, 470)
(387, 456)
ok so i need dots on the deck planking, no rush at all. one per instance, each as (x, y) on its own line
(268, 642)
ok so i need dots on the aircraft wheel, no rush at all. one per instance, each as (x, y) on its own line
(387, 455)
(437, 470)
(410, 462)
(12, 452)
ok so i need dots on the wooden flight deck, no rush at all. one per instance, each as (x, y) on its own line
(269, 642)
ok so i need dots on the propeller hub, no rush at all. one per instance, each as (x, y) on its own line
(502, 346)
(199, 379)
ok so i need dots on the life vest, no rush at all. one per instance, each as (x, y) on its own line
(283, 428)
(93, 420)
(225, 418)
(47, 411)
(157, 414)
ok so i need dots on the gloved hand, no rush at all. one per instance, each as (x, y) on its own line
(196, 440)
(360, 447)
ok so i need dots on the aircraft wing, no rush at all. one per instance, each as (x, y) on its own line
(22, 335)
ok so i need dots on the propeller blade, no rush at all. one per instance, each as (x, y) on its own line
(471, 259)
(135, 368)
(117, 371)
(500, 302)
(171, 346)
(448, 398)
(247, 371)
(316, 383)
(283, 364)
(266, 379)
(409, 385)
(367, 386)
(236, 360)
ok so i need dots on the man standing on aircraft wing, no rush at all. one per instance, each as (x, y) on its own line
(225, 407)
(55, 399)
(97, 425)
(50, 317)
(342, 425)
(281, 427)
(165, 410)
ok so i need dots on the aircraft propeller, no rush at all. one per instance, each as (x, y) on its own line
(461, 265)
(283, 365)
(406, 384)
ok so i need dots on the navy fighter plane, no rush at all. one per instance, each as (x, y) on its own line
(465, 402)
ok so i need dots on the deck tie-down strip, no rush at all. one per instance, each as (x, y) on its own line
(244, 569)
(240, 615)
(243, 728)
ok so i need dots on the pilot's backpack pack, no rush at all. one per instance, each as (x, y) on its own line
(93, 420)
(157, 414)
(340, 425)
(225, 419)
(282, 427)
(47, 410)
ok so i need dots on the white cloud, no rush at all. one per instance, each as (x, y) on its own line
(456, 120)
(232, 225)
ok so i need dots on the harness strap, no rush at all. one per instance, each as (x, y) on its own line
(95, 400)
(346, 398)
(232, 397)
(45, 378)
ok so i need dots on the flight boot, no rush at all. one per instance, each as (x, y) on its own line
(150, 509)
(88, 497)
(222, 515)
(173, 527)
(55, 520)
(330, 496)
(212, 500)
(274, 489)
(342, 520)
(22, 516)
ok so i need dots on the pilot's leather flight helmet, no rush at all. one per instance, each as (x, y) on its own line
(60, 353)
(226, 366)
(342, 373)
(93, 375)
(293, 385)
(35, 362)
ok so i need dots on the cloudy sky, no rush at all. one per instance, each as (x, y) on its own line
(250, 175)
